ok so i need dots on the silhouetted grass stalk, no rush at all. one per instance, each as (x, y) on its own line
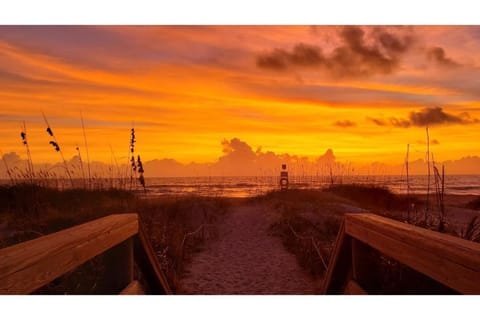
(118, 173)
(408, 183)
(81, 166)
(56, 146)
(86, 148)
(472, 230)
(141, 171)
(30, 173)
(440, 193)
(428, 176)
(131, 156)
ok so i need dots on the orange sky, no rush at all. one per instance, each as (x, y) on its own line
(364, 92)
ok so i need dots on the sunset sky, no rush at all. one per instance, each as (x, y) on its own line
(365, 92)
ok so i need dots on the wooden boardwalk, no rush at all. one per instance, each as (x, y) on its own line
(430, 262)
(246, 260)
(30, 265)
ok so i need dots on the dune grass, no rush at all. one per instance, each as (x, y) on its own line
(319, 213)
(474, 204)
(372, 197)
(30, 211)
(301, 215)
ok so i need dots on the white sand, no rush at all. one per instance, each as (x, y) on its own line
(246, 260)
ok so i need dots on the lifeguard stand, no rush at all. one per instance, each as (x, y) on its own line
(284, 178)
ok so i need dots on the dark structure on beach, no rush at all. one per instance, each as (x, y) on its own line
(284, 178)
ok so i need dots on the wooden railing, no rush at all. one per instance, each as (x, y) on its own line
(435, 262)
(119, 238)
(311, 244)
(198, 234)
(426, 261)
(203, 232)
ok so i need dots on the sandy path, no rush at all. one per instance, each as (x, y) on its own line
(246, 260)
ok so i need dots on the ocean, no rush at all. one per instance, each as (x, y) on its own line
(241, 187)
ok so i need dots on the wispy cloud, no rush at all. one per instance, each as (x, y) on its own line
(438, 56)
(427, 117)
(344, 124)
(186, 87)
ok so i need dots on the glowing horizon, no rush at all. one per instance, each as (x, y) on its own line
(365, 92)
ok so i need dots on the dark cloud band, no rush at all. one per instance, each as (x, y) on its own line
(427, 117)
(355, 57)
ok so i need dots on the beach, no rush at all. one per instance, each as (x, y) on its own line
(249, 258)
(256, 247)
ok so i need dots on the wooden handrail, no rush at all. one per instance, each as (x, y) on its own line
(30, 265)
(193, 233)
(450, 261)
(313, 244)
(181, 250)
(145, 256)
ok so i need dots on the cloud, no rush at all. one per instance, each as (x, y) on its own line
(17, 167)
(237, 149)
(436, 115)
(438, 56)
(345, 124)
(427, 116)
(401, 123)
(276, 60)
(11, 158)
(302, 55)
(240, 159)
(378, 122)
(328, 158)
(357, 56)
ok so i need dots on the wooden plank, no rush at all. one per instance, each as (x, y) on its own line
(357, 253)
(354, 288)
(339, 267)
(30, 265)
(452, 248)
(149, 265)
(452, 262)
(319, 254)
(134, 288)
(119, 268)
(362, 270)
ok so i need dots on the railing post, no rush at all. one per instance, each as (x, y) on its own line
(119, 268)
(147, 261)
(363, 272)
(339, 265)
(310, 255)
